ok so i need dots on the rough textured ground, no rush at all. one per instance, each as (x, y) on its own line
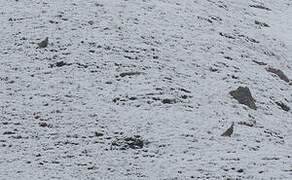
(130, 89)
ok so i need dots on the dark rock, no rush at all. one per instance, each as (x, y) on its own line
(229, 131)
(240, 170)
(278, 73)
(168, 101)
(134, 143)
(252, 40)
(98, 134)
(283, 106)
(259, 63)
(261, 23)
(226, 35)
(44, 124)
(44, 43)
(60, 64)
(184, 90)
(8, 133)
(249, 124)
(243, 96)
(128, 143)
(260, 7)
(130, 74)
(132, 98)
(213, 69)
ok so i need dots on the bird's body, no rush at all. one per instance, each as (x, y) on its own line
(44, 43)
(229, 131)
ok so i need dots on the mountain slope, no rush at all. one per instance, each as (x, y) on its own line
(141, 89)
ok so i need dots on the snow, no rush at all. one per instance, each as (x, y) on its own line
(185, 57)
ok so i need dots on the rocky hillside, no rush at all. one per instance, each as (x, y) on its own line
(145, 89)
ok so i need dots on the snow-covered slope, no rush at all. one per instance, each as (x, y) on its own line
(130, 89)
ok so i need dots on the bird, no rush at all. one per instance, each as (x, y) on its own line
(229, 131)
(44, 43)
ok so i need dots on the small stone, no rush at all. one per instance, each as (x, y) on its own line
(130, 74)
(279, 73)
(240, 170)
(98, 134)
(43, 124)
(243, 96)
(44, 43)
(261, 23)
(168, 101)
(283, 106)
(8, 133)
(229, 131)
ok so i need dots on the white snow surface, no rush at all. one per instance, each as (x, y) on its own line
(61, 121)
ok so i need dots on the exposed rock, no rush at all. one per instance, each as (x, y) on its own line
(44, 124)
(279, 73)
(243, 96)
(249, 124)
(283, 106)
(44, 43)
(98, 134)
(128, 143)
(8, 133)
(229, 131)
(168, 101)
(259, 63)
(261, 23)
(60, 64)
(226, 35)
(240, 170)
(130, 74)
(260, 7)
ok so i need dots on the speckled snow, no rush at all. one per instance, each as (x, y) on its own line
(158, 70)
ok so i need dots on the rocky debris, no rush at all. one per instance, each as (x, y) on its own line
(213, 69)
(160, 96)
(262, 24)
(243, 96)
(184, 90)
(8, 133)
(59, 64)
(283, 106)
(98, 134)
(270, 133)
(279, 73)
(234, 36)
(135, 142)
(77, 99)
(229, 131)
(130, 74)
(44, 43)
(44, 124)
(226, 35)
(249, 39)
(240, 170)
(168, 101)
(249, 124)
(53, 22)
(259, 63)
(260, 7)
(210, 19)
